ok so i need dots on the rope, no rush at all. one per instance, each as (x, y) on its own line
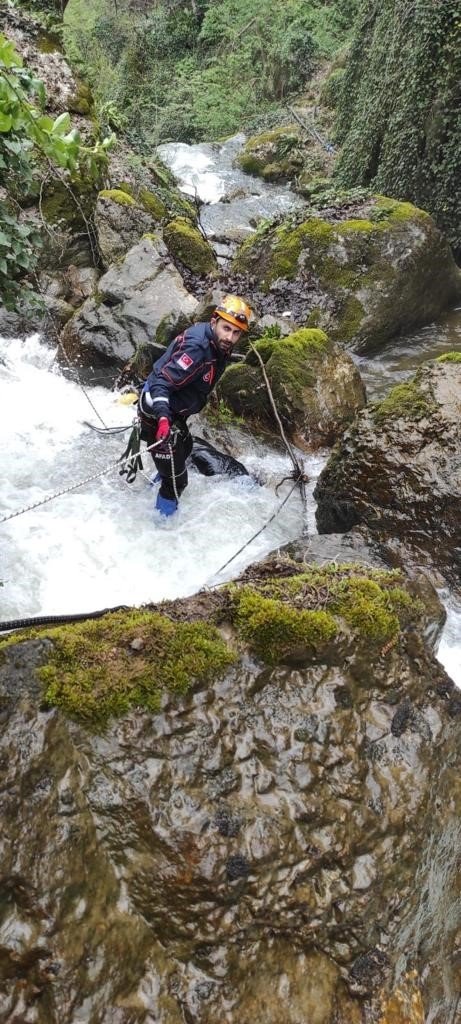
(74, 487)
(255, 535)
(301, 478)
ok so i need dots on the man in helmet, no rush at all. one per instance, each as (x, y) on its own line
(179, 386)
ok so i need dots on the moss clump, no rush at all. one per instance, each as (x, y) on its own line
(278, 616)
(93, 672)
(277, 254)
(449, 357)
(116, 195)
(273, 155)
(308, 341)
(152, 204)
(275, 630)
(407, 400)
(187, 245)
(350, 319)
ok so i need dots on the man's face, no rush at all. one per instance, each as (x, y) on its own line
(225, 335)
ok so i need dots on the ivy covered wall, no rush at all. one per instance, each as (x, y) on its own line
(399, 114)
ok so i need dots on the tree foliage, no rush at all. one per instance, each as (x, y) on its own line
(400, 106)
(199, 69)
(32, 146)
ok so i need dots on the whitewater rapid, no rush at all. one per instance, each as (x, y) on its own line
(103, 544)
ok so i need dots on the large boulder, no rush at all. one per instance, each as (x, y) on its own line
(244, 851)
(140, 300)
(316, 387)
(120, 222)
(398, 468)
(362, 279)
(275, 155)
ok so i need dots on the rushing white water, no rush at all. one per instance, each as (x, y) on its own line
(234, 201)
(104, 544)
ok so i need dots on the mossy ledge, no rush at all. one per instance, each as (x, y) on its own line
(117, 195)
(101, 668)
(307, 611)
(407, 400)
(106, 666)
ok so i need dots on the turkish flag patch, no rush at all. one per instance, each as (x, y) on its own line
(185, 361)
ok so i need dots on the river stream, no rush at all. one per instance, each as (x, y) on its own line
(102, 544)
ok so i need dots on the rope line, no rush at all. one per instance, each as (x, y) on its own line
(120, 463)
(255, 535)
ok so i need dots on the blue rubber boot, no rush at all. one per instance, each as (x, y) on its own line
(165, 506)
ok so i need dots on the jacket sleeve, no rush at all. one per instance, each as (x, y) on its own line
(184, 365)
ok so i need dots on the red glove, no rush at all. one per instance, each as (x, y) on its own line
(163, 429)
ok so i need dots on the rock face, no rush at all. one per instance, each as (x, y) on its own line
(140, 300)
(363, 279)
(120, 223)
(316, 387)
(245, 853)
(398, 468)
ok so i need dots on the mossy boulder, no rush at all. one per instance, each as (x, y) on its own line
(187, 244)
(296, 785)
(120, 221)
(371, 276)
(315, 385)
(398, 469)
(140, 300)
(275, 155)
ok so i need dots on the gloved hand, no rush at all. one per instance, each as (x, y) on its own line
(163, 429)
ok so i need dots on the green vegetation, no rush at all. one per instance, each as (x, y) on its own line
(280, 616)
(104, 667)
(399, 106)
(117, 195)
(449, 357)
(93, 671)
(187, 244)
(31, 143)
(201, 70)
(407, 400)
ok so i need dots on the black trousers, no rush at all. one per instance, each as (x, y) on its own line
(170, 460)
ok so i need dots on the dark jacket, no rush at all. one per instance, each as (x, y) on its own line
(183, 377)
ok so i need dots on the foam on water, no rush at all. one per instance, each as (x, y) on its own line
(103, 544)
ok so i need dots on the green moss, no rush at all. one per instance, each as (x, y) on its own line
(354, 225)
(116, 195)
(449, 357)
(398, 211)
(349, 320)
(152, 204)
(277, 616)
(93, 672)
(406, 400)
(275, 630)
(219, 413)
(273, 155)
(187, 244)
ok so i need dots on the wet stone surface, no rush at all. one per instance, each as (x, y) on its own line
(268, 827)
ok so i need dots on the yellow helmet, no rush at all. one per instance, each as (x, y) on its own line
(235, 311)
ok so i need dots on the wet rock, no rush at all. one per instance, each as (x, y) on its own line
(140, 300)
(362, 280)
(120, 223)
(316, 387)
(262, 904)
(413, 436)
